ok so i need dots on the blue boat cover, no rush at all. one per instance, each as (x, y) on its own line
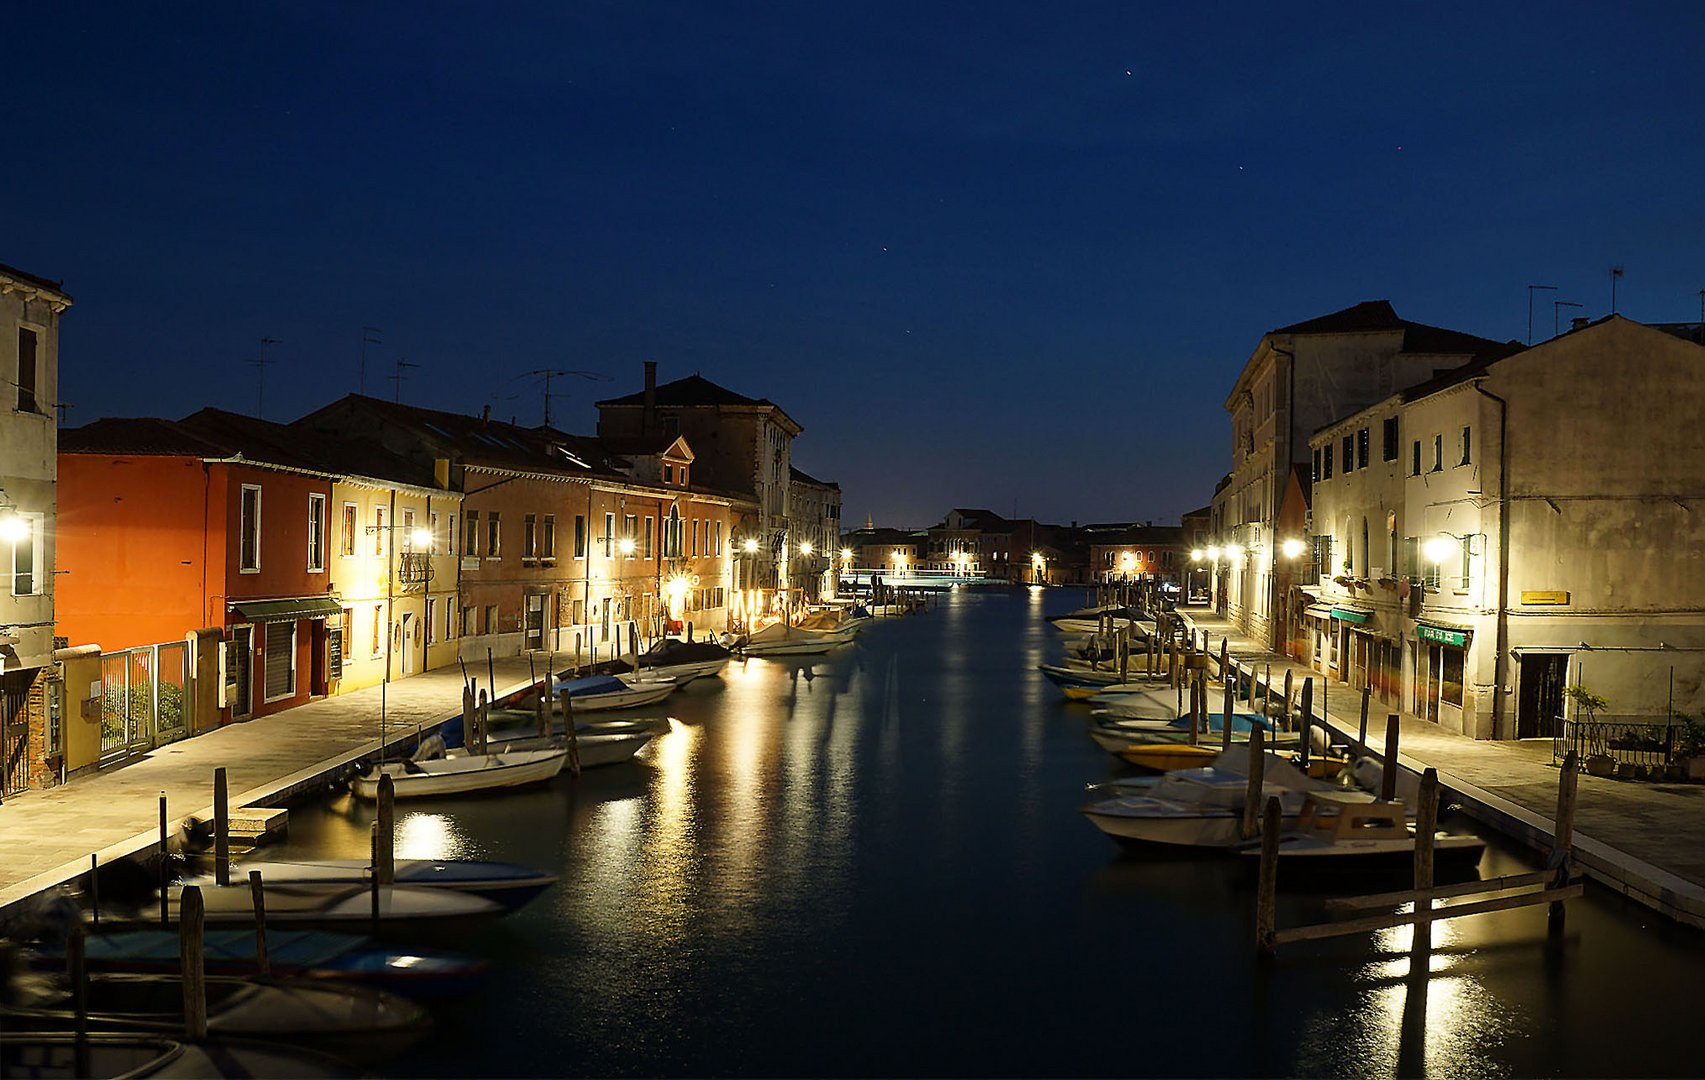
(596, 684)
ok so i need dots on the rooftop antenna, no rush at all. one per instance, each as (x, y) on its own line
(1556, 307)
(1615, 275)
(398, 377)
(369, 336)
(259, 363)
(1530, 289)
(557, 373)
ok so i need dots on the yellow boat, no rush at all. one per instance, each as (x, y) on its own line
(1081, 693)
(1164, 757)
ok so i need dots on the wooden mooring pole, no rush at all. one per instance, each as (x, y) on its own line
(1426, 824)
(221, 827)
(257, 894)
(573, 737)
(192, 958)
(95, 886)
(1562, 838)
(1252, 790)
(1307, 718)
(1367, 694)
(165, 860)
(77, 969)
(385, 821)
(1388, 779)
(1267, 891)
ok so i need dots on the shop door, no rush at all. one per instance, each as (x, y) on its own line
(408, 643)
(1539, 706)
(239, 668)
(318, 656)
(14, 731)
(535, 623)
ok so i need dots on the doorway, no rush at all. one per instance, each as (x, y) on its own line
(1539, 705)
(408, 643)
(535, 622)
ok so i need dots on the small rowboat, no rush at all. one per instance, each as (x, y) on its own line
(594, 748)
(1076, 683)
(463, 774)
(599, 692)
(1164, 757)
(317, 954)
(351, 1021)
(508, 884)
(1336, 829)
(149, 1055)
(334, 904)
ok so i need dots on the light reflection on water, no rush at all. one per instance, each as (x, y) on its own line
(871, 863)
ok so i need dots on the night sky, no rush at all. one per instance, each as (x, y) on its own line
(995, 254)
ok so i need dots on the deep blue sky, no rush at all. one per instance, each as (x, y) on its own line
(997, 254)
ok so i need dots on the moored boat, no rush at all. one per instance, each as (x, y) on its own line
(1336, 829)
(462, 774)
(596, 693)
(99, 1056)
(1164, 757)
(780, 639)
(335, 904)
(509, 884)
(682, 661)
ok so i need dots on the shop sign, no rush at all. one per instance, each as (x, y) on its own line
(1544, 597)
(1350, 615)
(1443, 637)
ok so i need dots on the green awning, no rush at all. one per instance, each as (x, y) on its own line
(1441, 635)
(1350, 614)
(306, 607)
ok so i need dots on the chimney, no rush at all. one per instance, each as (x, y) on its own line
(1579, 322)
(648, 419)
(485, 414)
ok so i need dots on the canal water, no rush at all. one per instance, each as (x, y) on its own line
(872, 863)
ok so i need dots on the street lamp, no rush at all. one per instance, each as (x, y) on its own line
(1292, 547)
(625, 545)
(1039, 566)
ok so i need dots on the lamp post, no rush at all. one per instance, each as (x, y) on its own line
(417, 537)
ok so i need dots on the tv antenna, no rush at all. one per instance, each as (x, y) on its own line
(1615, 276)
(370, 335)
(398, 377)
(1556, 308)
(548, 374)
(1530, 289)
(259, 363)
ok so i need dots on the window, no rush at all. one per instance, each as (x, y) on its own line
(1326, 462)
(27, 371)
(1349, 459)
(449, 622)
(1466, 441)
(630, 531)
(346, 544)
(1315, 475)
(408, 530)
(1415, 465)
(494, 535)
(468, 617)
(668, 474)
(491, 618)
(683, 476)
(1438, 453)
(316, 533)
(718, 550)
(1450, 675)
(453, 537)
(1390, 441)
(695, 548)
(27, 555)
(1362, 448)
(431, 620)
(471, 533)
(580, 536)
(529, 545)
(378, 630)
(248, 533)
(547, 542)
(609, 540)
(378, 530)
(672, 534)
(432, 543)
(648, 530)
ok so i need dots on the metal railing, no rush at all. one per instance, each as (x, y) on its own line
(1634, 741)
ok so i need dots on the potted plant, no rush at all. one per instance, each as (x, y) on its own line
(1690, 745)
(1590, 703)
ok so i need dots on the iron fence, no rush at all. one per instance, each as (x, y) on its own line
(1639, 742)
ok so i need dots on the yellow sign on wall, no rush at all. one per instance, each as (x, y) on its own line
(1544, 597)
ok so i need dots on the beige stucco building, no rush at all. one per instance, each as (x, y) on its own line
(1300, 378)
(30, 728)
(1537, 528)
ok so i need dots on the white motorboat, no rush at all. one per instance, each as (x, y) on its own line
(1203, 807)
(509, 884)
(1334, 828)
(599, 692)
(682, 661)
(780, 639)
(463, 773)
(337, 904)
(594, 748)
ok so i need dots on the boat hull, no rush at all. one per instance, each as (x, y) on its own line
(463, 775)
(1164, 757)
(507, 884)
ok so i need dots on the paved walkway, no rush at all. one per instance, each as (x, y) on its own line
(46, 837)
(1644, 840)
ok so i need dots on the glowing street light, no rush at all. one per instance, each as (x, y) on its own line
(625, 545)
(1441, 547)
(14, 528)
(1292, 548)
(751, 545)
(1234, 551)
(1214, 552)
(805, 547)
(1197, 554)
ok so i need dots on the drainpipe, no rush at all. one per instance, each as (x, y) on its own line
(1500, 661)
(1277, 494)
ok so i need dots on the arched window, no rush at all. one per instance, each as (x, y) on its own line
(672, 534)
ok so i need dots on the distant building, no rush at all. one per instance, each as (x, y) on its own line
(1128, 553)
(31, 705)
(814, 552)
(742, 445)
